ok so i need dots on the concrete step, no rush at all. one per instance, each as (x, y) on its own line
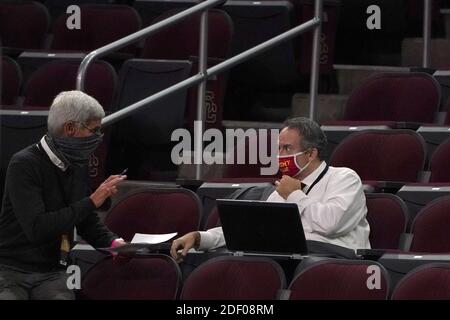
(330, 106)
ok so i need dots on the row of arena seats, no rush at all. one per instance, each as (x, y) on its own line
(245, 278)
(402, 18)
(393, 226)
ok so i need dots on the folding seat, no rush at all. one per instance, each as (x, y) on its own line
(11, 80)
(387, 100)
(439, 164)
(23, 25)
(305, 12)
(254, 23)
(151, 9)
(387, 215)
(382, 155)
(235, 278)
(60, 75)
(153, 211)
(184, 37)
(147, 277)
(335, 279)
(59, 7)
(430, 228)
(100, 25)
(427, 282)
(142, 141)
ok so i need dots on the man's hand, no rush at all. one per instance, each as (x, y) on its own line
(184, 243)
(286, 185)
(106, 189)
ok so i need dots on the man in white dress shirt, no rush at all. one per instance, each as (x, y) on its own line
(331, 200)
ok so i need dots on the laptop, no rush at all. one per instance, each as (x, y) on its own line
(262, 228)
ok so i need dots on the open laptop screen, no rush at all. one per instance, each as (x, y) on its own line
(262, 227)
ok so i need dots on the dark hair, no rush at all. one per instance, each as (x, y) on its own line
(313, 136)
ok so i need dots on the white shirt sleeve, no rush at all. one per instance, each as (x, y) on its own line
(339, 212)
(211, 239)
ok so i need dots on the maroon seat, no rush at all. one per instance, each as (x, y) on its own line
(439, 163)
(184, 37)
(382, 155)
(11, 80)
(23, 24)
(334, 279)
(155, 211)
(387, 216)
(235, 278)
(399, 97)
(431, 227)
(427, 282)
(60, 75)
(100, 25)
(149, 277)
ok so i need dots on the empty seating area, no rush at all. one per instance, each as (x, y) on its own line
(385, 116)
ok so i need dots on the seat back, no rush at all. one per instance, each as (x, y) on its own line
(11, 80)
(155, 211)
(430, 227)
(235, 278)
(23, 24)
(100, 25)
(335, 279)
(184, 37)
(440, 170)
(382, 155)
(254, 23)
(408, 97)
(60, 75)
(149, 277)
(426, 282)
(387, 215)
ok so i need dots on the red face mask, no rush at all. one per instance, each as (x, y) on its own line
(288, 165)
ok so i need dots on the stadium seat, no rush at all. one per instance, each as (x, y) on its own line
(149, 10)
(154, 211)
(427, 282)
(184, 37)
(149, 277)
(439, 163)
(60, 75)
(387, 216)
(382, 155)
(11, 80)
(254, 23)
(142, 140)
(23, 24)
(334, 279)
(101, 25)
(430, 228)
(235, 278)
(393, 97)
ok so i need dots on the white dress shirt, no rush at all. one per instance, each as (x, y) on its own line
(334, 211)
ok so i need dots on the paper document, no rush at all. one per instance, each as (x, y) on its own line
(152, 238)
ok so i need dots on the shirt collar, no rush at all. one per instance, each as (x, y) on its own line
(313, 175)
(53, 157)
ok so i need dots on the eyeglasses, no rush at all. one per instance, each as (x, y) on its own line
(97, 130)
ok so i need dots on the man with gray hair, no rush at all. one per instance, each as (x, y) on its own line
(331, 200)
(46, 196)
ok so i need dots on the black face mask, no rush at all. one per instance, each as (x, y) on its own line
(74, 151)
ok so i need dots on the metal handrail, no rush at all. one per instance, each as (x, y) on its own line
(203, 74)
(123, 42)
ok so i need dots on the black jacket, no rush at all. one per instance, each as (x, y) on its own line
(36, 212)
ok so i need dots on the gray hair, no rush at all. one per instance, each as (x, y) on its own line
(313, 136)
(72, 106)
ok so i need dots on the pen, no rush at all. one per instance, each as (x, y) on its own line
(124, 171)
